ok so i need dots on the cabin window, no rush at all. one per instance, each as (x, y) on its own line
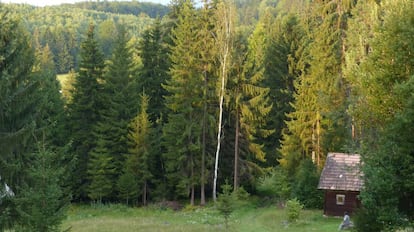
(340, 199)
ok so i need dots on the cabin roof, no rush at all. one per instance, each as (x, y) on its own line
(341, 172)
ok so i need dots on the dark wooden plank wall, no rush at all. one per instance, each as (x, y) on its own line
(332, 209)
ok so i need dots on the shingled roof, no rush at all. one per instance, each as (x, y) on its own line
(341, 172)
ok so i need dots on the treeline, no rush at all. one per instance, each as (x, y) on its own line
(62, 28)
(201, 99)
(136, 8)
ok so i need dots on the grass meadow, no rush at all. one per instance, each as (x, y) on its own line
(120, 218)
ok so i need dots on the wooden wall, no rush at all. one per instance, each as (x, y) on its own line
(350, 205)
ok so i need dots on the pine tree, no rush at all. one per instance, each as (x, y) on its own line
(83, 110)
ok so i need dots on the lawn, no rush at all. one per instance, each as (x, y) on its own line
(120, 218)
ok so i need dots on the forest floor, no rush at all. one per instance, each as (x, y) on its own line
(110, 218)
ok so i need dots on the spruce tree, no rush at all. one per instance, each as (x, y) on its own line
(19, 110)
(118, 107)
(280, 71)
(182, 132)
(137, 164)
(43, 203)
(29, 109)
(84, 110)
(249, 104)
(154, 71)
(319, 119)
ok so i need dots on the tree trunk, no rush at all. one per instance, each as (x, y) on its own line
(236, 153)
(203, 152)
(224, 43)
(144, 194)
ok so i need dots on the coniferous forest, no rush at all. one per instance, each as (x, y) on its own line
(168, 103)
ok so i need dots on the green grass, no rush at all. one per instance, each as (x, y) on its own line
(120, 218)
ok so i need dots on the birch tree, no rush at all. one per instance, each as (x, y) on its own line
(225, 16)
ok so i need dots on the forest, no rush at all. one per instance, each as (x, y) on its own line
(137, 103)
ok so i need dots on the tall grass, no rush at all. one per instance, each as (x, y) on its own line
(110, 218)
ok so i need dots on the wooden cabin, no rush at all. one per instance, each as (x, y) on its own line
(341, 179)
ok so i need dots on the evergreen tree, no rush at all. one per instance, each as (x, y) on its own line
(43, 203)
(280, 71)
(319, 119)
(19, 110)
(29, 108)
(52, 111)
(183, 130)
(305, 187)
(154, 71)
(83, 110)
(249, 104)
(117, 108)
(360, 33)
(386, 86)
(100, 172)
(139, 151)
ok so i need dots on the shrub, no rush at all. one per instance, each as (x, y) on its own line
(275, 185)
(305, 187)
(293, 209)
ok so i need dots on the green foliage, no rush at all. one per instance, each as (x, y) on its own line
(42, 202)
(388, 172)
(100, 173)
(305, 185)
(84, 110)
(135, 8)
(225, 203)
(127, 190)
(319, 122)
(62, 27)
(282, 37)
(274, 185)
(154, 53)
(182, 133)
(140, 149)
(293, 210)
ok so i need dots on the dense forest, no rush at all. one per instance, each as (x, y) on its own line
(170, 103)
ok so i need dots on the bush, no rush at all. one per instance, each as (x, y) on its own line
(293, 209)
(275, 185)
(305, 187)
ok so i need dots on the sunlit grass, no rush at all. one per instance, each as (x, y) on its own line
(248, 218)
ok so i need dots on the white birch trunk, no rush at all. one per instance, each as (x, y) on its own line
(224, 42)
